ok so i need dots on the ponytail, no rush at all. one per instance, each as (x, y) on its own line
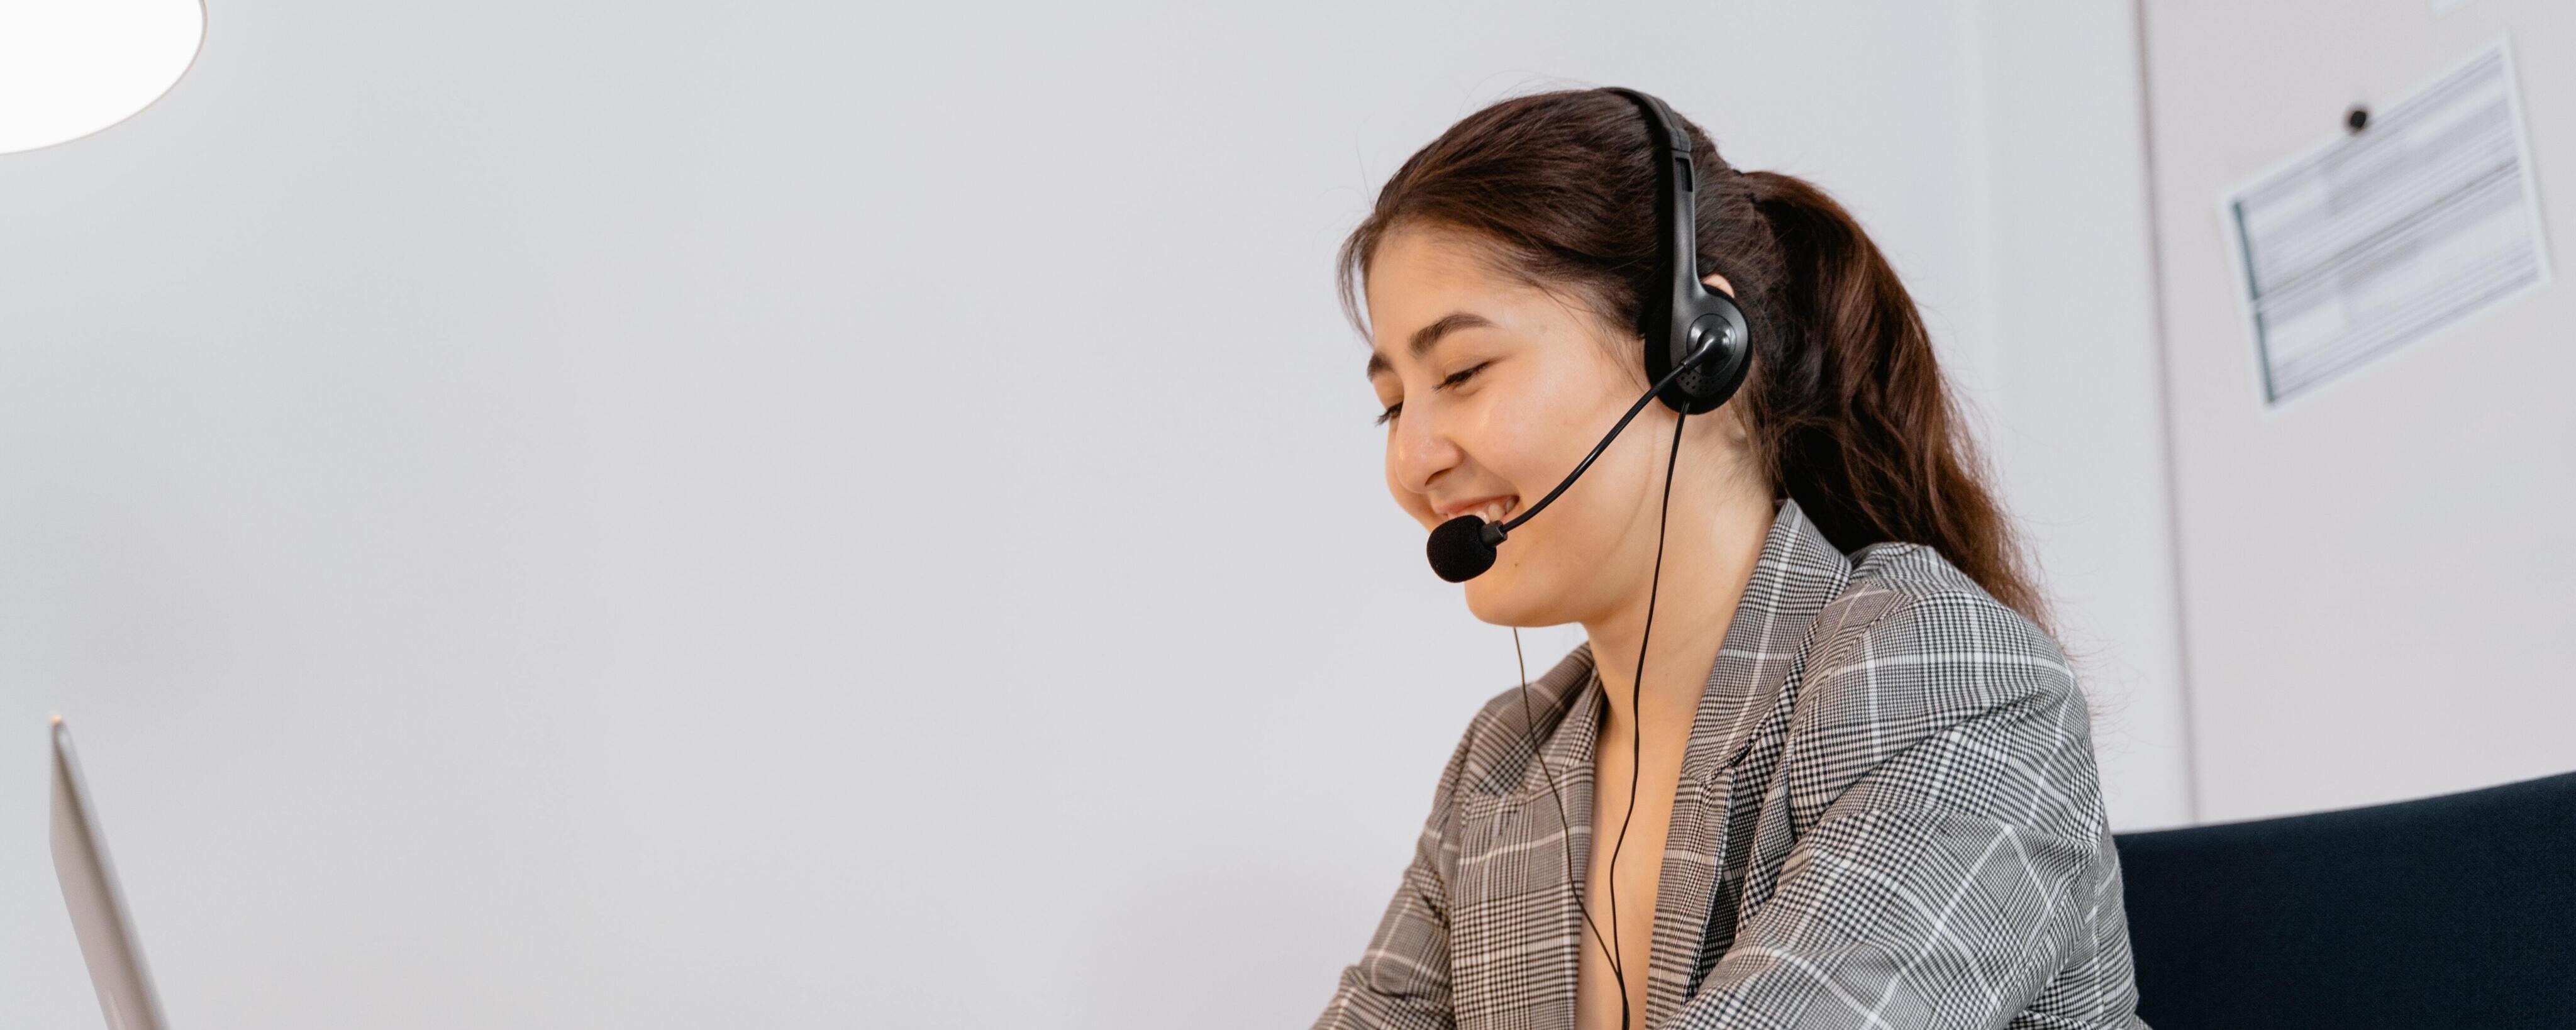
(1853, 418)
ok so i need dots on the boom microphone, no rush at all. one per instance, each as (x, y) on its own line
(1463, 547)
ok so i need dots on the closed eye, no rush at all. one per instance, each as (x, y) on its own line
(1465, 374)
(1462, 375)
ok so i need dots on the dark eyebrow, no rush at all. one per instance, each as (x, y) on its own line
(1429, 336)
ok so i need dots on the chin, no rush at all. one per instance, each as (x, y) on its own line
(1506, 596)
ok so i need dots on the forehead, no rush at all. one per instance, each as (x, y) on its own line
(1422, 281)
(1421, 278)
(1418, 269)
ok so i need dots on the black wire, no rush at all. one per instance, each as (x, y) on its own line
(1610, 949)
(1636, 693)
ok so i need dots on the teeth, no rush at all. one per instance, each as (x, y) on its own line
(1494, 512)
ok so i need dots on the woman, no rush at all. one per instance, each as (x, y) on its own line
(1847, 779)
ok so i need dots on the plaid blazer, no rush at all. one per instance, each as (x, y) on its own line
(1887, 817)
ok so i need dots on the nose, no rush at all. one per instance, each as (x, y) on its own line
(1420, 448)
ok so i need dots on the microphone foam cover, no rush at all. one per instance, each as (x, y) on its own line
(1458, 549)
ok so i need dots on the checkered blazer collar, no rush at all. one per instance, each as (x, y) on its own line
(1797, 573)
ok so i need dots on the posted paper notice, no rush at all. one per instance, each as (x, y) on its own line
(2426, 217)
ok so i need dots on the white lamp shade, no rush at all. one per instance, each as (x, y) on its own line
(69, 68)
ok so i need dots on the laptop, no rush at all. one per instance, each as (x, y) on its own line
(99, 917)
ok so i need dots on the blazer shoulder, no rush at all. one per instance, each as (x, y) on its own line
(1907, 605)
(1930, 664)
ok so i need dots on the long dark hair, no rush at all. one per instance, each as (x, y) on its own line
(1846, 410)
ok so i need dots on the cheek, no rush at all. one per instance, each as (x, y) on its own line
(1525, 454)
(1532, 438)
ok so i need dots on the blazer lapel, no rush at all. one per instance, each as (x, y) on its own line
(1517, 932)
(1797, 573)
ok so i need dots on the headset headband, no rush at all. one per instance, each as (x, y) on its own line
(1683, 315)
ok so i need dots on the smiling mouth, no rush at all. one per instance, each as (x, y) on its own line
(1493, 510)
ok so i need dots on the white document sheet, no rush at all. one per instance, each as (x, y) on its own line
(2381, 238)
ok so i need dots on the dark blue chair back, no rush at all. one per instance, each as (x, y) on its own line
(2451, 911)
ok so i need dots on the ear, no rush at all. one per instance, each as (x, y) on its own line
(1718, 282)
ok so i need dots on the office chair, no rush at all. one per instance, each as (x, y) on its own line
(2450, 911)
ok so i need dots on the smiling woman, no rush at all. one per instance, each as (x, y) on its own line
(1847, 779)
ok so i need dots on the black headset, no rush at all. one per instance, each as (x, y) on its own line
(1698, 346)
(1689, 316)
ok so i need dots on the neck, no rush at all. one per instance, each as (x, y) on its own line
(1705, 569)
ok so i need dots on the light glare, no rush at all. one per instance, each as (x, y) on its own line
(69, 68)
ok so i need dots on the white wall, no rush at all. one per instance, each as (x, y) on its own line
(2071, 383)
(2377, 591)
(829, 515)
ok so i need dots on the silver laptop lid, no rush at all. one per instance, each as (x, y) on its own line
(99, 917)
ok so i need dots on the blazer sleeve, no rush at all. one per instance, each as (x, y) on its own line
(1402, 981)
(1938, 775)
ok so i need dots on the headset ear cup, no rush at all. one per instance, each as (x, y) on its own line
(1699, 385)
(1715, 378)
(1724, 374)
